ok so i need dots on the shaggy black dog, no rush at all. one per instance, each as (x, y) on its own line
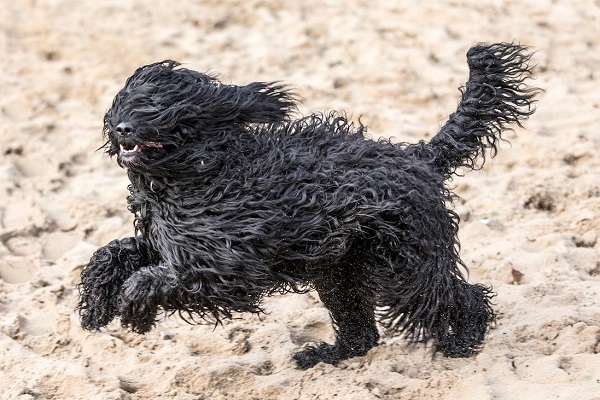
(235, 200)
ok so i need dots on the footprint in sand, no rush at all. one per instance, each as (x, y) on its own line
(15, 269)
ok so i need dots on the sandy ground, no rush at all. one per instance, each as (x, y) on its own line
(530, 223)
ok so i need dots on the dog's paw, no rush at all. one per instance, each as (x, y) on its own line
(95, 317)
(334, 353)
(101, 281)
(95, 311)
(312, 355)
(137, 316)
(308, 358)
(461, 347)
(137, 308)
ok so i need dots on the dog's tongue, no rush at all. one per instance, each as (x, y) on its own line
(153, 144)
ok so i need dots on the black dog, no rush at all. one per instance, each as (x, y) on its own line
(234, 200)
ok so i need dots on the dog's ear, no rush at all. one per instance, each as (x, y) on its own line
(256, 103)
(165, 92)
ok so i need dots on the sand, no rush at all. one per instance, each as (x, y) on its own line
(530, 224)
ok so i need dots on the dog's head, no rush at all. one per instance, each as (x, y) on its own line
(164, 108)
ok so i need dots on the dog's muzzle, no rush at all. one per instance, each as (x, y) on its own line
(127, 146)
(124, 129)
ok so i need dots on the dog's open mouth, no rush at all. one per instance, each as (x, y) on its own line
(131, 149)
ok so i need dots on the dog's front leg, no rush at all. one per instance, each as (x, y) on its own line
(102, 277)
(149, 288)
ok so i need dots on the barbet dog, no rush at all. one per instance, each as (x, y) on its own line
(235, 200)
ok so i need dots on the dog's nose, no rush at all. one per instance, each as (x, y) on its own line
(124, 129)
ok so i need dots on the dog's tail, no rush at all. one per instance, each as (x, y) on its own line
(494, 97)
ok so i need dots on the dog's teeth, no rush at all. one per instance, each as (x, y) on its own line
(134, 150)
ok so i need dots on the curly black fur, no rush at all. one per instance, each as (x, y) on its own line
(234, 200)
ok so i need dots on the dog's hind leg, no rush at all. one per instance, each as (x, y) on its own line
(102, 278)
(468, 316)
(353, 317)
(435, 302)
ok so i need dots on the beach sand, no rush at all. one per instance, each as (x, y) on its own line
(530, 218)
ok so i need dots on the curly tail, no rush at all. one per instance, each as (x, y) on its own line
(494, 97)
